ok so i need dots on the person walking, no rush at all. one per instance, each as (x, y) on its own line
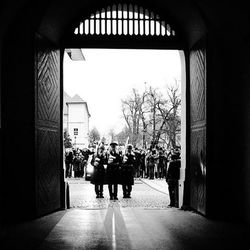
(113, 170)
(99, 159)
(172, 178)
(127, 171)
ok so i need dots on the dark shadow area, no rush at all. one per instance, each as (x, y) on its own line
(30, 235)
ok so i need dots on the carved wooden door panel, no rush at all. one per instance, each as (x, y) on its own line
(47, 130)
(198, 128)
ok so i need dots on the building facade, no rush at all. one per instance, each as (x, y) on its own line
(76, 120)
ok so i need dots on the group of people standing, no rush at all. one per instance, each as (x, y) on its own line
(120, 170)
(75, 161)
(152, 163)
(114, 167)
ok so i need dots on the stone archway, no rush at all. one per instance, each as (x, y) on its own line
(45, 112)
(92, 33)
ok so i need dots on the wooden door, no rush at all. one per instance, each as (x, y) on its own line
(198, 126)
(47, 130)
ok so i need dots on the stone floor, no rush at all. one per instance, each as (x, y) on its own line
(157, 184)
(143, 195)
(137, 223)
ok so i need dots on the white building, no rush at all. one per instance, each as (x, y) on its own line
(76, 120)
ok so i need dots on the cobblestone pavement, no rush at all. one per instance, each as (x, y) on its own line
(158, 184)
(82, 195)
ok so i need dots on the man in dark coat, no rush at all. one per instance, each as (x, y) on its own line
(143, 165)
(127, 172)
(68, 162)
(113, 170)
(86, 153)
(172, 178)
(99, 159)
(137, 165)
(151, 162)
(161, 164)
(76, 165)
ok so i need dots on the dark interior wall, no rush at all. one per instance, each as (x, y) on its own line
(226, 129)
(60, 15)
(228, 85)
(31, 123)
(244, 78)
(18, 122)
(226, 110)
(1, 142)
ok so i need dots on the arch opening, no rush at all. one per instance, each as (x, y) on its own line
(123, 26)
(117, 71)
(124, 19)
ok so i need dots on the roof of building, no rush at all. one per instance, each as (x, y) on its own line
(71, 100)
(75, 54)
(76, 99)
(66, 99)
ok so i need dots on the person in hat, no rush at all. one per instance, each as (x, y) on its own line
(172, 178)
(99, 159)
(127, 171)
(113, 167)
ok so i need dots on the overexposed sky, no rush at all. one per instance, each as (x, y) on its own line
(108, 75)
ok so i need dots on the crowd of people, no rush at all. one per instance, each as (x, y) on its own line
(114, 165)
(76, 161)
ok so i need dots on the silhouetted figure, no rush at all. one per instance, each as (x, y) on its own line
(151, 162)
(137, 162)
(161, 164)
(143, 164)
(86, 153)
(172, 178)
(76, 165)
(113, 167)
(99, 159)
(68, 162)
(127, 172)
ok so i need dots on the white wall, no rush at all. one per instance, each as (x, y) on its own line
(183, 127)
(65, 121)
(78, 118)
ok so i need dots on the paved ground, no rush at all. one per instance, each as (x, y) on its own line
(157, 184)
(145, 194)
(142, 222)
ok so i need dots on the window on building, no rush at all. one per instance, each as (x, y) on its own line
(75, 131)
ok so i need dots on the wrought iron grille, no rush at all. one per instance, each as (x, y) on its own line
(124, 19)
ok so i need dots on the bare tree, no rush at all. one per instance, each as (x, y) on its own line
(112, 135)
(171, 121)
(174, 121)
(123, 135)
(151, 117)
(153, 100)
(144, 111)
(94, 136)
(131, 110)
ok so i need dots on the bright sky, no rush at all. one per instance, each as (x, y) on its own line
(107, 76)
